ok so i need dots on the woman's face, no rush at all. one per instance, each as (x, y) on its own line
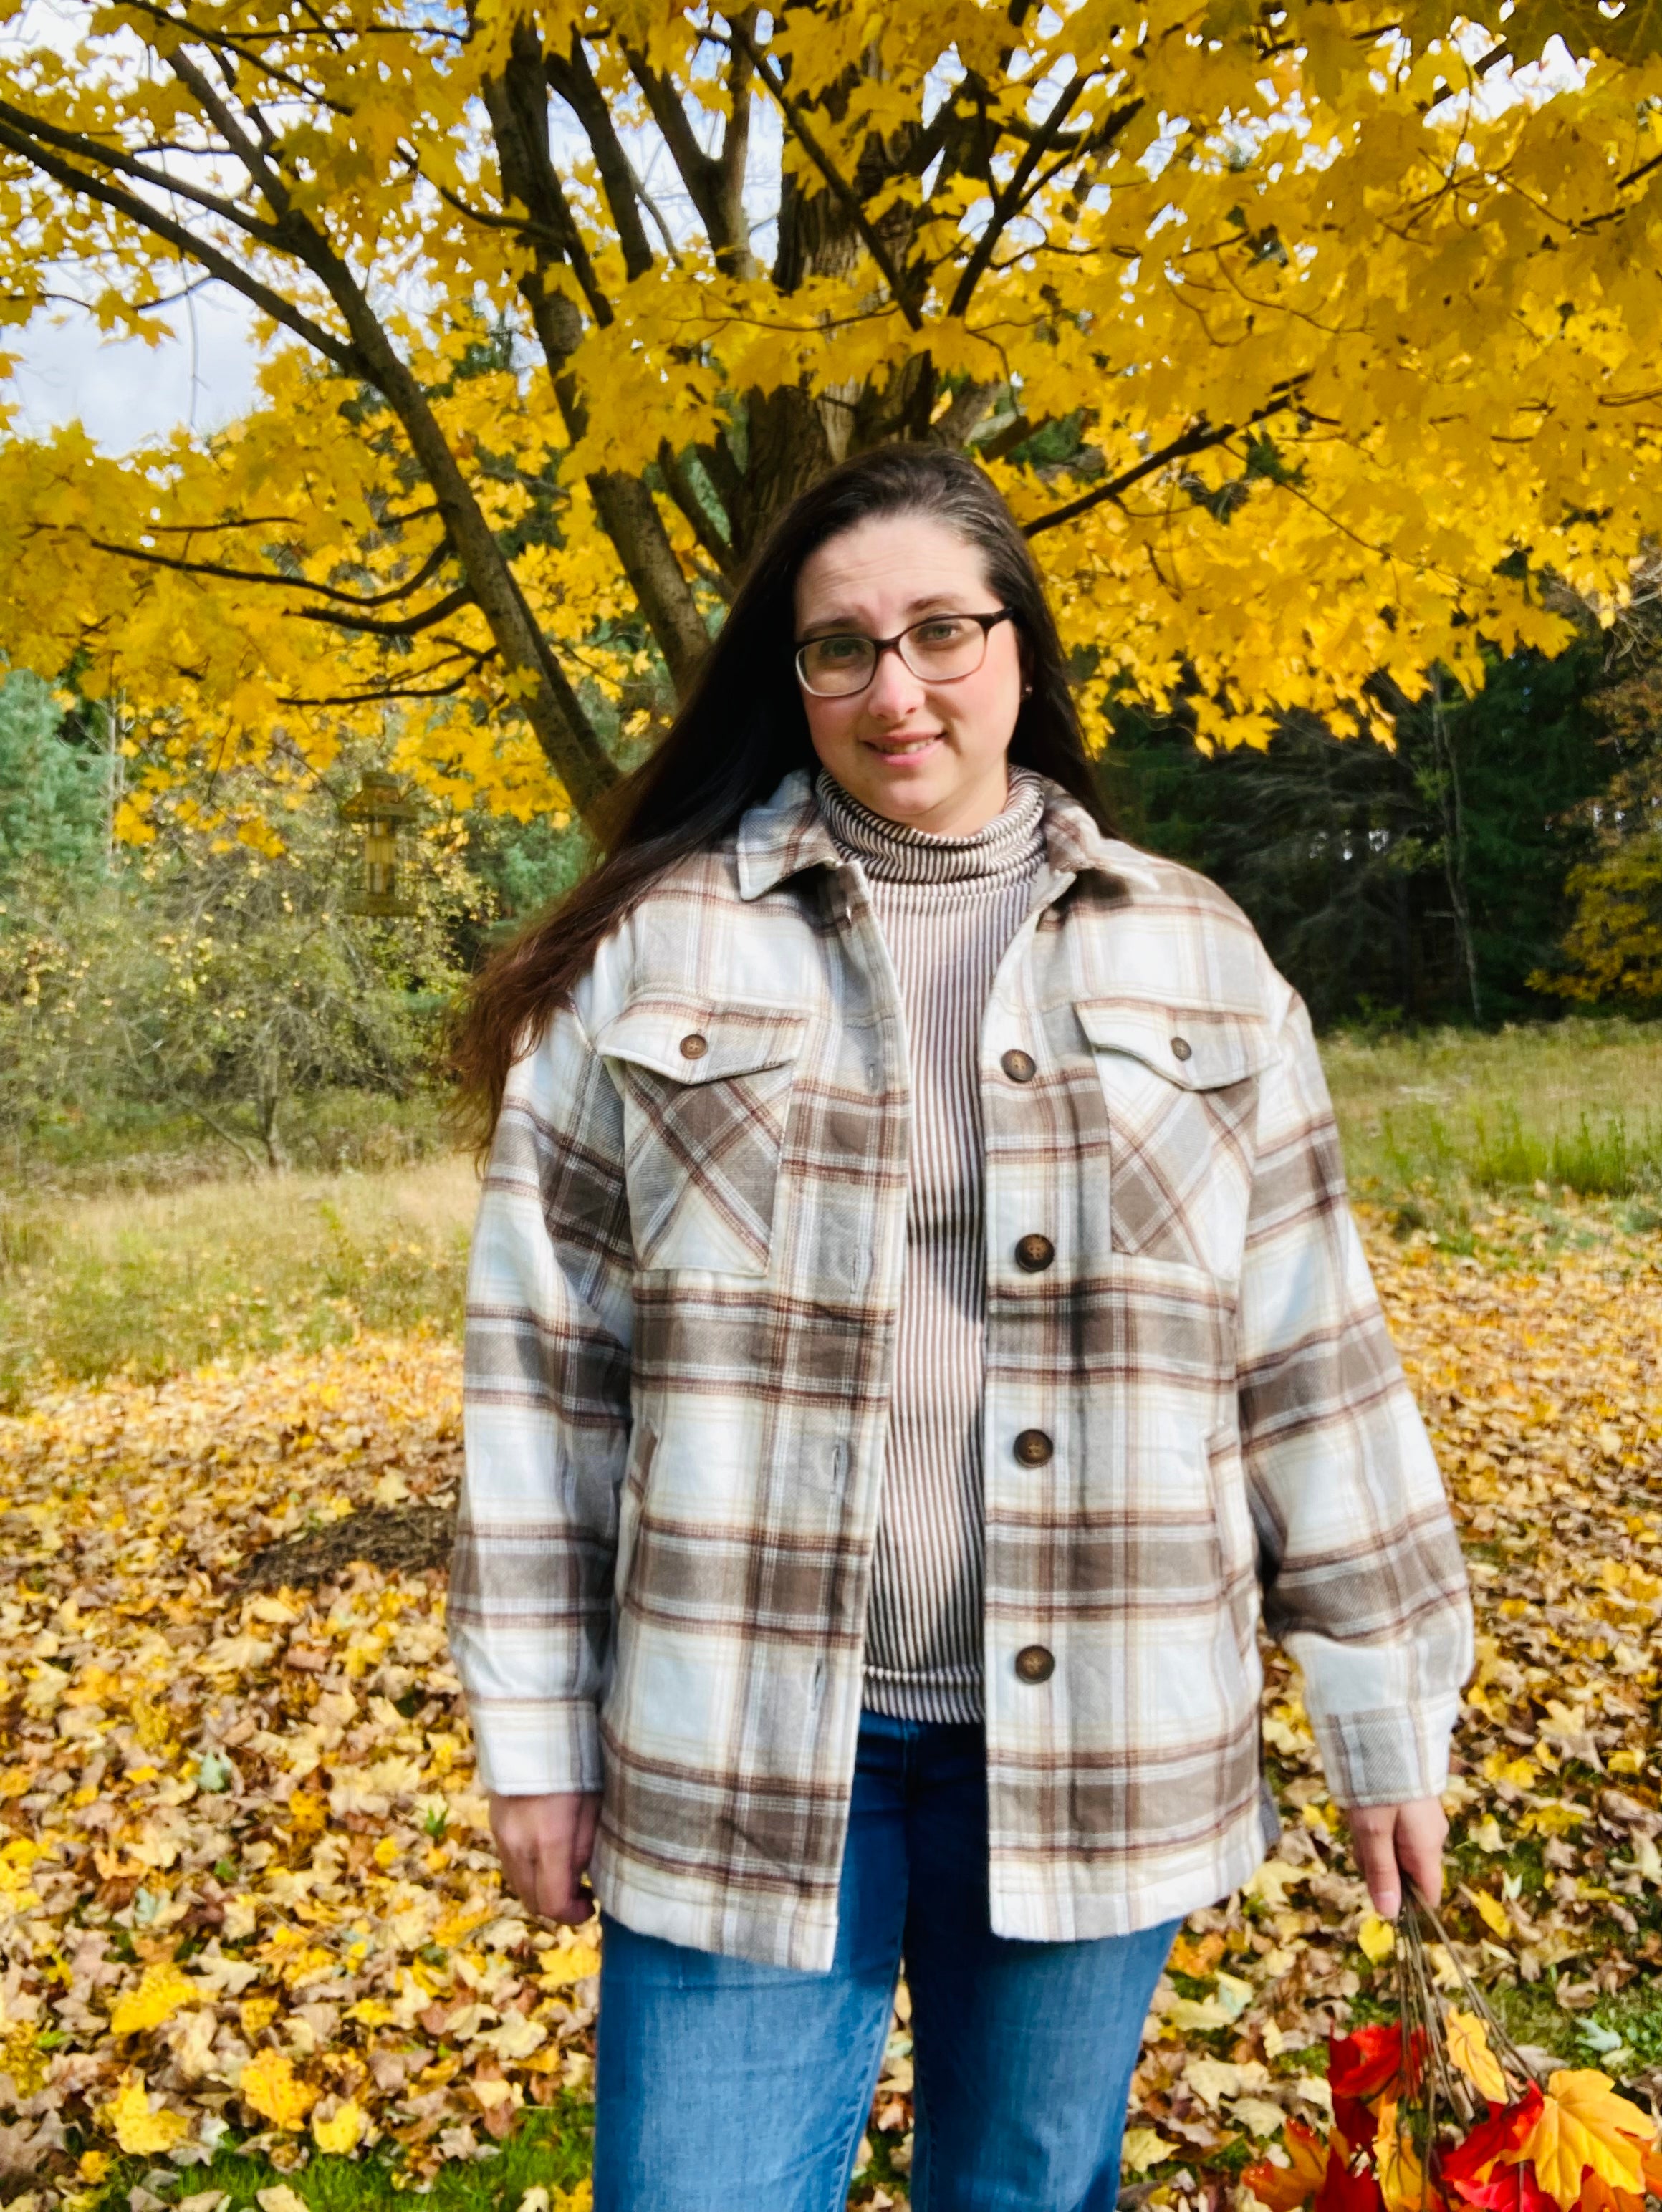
(930, 755)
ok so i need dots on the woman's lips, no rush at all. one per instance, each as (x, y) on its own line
(902, 749)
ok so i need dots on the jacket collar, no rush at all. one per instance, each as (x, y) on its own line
(786, 834)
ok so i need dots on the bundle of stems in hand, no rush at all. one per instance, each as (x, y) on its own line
(1439, 2108)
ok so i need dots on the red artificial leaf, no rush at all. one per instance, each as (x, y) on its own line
(1345, 2191)
(1364, 2067)
(1467, 2169)
(1363, 2064)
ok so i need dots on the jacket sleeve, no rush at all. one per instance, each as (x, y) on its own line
(546, 1421)
(1363, 1579)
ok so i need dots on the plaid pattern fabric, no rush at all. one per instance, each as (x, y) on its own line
(682, 1315)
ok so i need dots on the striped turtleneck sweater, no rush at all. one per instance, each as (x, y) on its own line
(948, 907)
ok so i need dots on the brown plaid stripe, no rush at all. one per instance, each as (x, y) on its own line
(681, 1339)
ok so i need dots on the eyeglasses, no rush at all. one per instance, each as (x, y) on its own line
(939, 649)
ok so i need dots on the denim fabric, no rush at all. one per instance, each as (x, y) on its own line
(720, 2082)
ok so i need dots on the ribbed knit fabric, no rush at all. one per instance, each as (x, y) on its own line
(948, 907)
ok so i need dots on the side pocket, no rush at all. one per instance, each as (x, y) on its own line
(643, 1444)
(1225, 1476)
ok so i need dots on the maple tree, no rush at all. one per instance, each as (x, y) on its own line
(1304, 339)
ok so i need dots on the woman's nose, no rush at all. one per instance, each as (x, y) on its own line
(894, 691)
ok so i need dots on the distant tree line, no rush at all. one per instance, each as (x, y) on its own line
(1503, 857)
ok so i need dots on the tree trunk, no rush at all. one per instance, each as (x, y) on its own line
(1453, 810)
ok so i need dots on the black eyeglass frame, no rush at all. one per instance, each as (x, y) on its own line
(882, 645)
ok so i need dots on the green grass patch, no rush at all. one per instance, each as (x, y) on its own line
(146, 1283)
(552, 2149)
(1437, 1123)
(131, 1146)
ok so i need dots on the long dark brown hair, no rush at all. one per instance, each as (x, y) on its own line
(742, 730)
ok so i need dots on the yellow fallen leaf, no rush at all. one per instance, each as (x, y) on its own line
(162, 1990)
(1468, 2049)
(94, 2166)
(256, 2015)
(279, 2198)
(580, 2197)
(1494, 1912)
(1260, 2116)
(1583, 2123)
(574, 1964)
(135, 2126)
(1377, 1937)
(1187, 2014)
(1143, 2147)
(341, 2130)
(269, 2086)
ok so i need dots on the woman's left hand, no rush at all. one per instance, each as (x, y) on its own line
(1394, 1840)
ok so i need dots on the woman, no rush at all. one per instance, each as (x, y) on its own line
(914, 1315)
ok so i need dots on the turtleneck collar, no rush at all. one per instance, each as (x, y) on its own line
(1010, 845)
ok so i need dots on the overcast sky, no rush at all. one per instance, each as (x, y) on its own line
(203, 375)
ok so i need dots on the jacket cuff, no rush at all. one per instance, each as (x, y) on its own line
(1386, 1757)
(536, 1746)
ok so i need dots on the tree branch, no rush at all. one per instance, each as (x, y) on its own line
(404, 626)
(1007, 202)
(841, 189)
(125, 165)
(344, 358)
(146, 556)
(1200, 440)
(685, 493)
(573, 81)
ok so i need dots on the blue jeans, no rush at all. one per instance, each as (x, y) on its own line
(721, 2083)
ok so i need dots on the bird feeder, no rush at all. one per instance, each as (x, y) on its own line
(380, 812)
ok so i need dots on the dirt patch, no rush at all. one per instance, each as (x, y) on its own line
(397, 1539)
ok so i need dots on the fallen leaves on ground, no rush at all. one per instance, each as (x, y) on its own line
(1540, 1375)
(246, 1884)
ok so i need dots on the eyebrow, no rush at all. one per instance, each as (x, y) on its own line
(835, 625)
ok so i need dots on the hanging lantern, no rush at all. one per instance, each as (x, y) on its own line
(380, 809)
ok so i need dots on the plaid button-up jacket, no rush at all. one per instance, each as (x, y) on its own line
(680, 1333)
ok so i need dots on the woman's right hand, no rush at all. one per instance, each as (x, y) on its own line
(544, 1844)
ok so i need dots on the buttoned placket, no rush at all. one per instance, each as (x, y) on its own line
(1014, 1457)
(858, 938)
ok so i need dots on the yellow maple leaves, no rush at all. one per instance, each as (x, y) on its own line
(1584, 2125)
(268, 2086)
(1469, 2050)
(340, 2130)
(162, 1989)
(137, 2124)
(1433, 380)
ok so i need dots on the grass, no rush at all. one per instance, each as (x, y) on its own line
(133, 1147)
(106, 1266)
(550, 2150)
(1435, 1124)
(148, 1282)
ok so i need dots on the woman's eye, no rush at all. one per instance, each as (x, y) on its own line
(833, 652)
(945, 629)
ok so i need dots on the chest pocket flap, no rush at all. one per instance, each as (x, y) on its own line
(706, 1093)
(690, 1043)
(1197, 1048)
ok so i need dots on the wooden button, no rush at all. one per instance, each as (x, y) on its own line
(694, 1047)
(1033, 1663)
(1034, 1448)
(1020, 1066)
(1182, 1050)
(1034, 1254)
